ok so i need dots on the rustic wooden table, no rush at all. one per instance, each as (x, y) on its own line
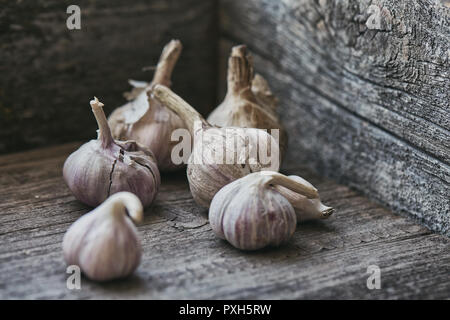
(183, 259)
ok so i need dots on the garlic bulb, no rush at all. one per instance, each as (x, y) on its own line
(104, 243)
(147, 121)
(219, 155)
(249, 102)
(305, 209)
(250, 214)
(104, 166)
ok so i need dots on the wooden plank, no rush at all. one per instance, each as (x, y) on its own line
(183, 259)
(49, 73)
(367, 107)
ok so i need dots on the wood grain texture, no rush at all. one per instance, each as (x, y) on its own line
(183, 259)
(367, 107)
(48, 73)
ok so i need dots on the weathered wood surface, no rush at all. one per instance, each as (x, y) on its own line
(367, 107)
(48, 73)
(183, 259)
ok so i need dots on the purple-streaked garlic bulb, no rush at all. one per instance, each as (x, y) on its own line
(104, 243)
(102, 167)
(219, 155)
(144, 119)
(251, 214)
(305, 209)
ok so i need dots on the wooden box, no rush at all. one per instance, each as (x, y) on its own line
(364, 94)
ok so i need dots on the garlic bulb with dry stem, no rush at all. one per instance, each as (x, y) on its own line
(305, 209)
(105, 166)
(249, 101)
(219, 155)
(104, 243)
(250, 214)
(144, 119)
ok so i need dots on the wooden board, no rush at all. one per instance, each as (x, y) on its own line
(369, 107)
(49, 73)
(183, 259)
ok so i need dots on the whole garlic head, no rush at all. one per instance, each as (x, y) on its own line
(249, 102)
(144, 119)
(219, 155)
(250, 214)
(104, 242)
(305, 209)
(102, 167)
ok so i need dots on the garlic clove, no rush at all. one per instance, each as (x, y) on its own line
(104, 243)
(250, 214)
(101, 167)
(241, 149)
(145, 120)
(249, 102)
(305, 209)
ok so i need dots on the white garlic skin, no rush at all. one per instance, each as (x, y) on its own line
(144, 119)
(252, 215)
(104, 243)
(205, 175)
(93, 173)
(153, 130)
(249, 102)
(106, 166)
(305, 209)
(207, 178)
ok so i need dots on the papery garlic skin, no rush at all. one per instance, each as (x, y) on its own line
(144, 119)
(305, 209)
(102, 167)
(249, 102)
(207, 176)
(250, 214)
(104, 243)
(263, 94)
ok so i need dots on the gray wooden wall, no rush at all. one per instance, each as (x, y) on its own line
(368, 107)
(48, 73)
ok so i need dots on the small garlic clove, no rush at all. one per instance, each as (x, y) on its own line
(251, 215)
(98, 168)
(144, 119)
(249, 102)
(104, 243)
(208, 166)
(305, 209)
